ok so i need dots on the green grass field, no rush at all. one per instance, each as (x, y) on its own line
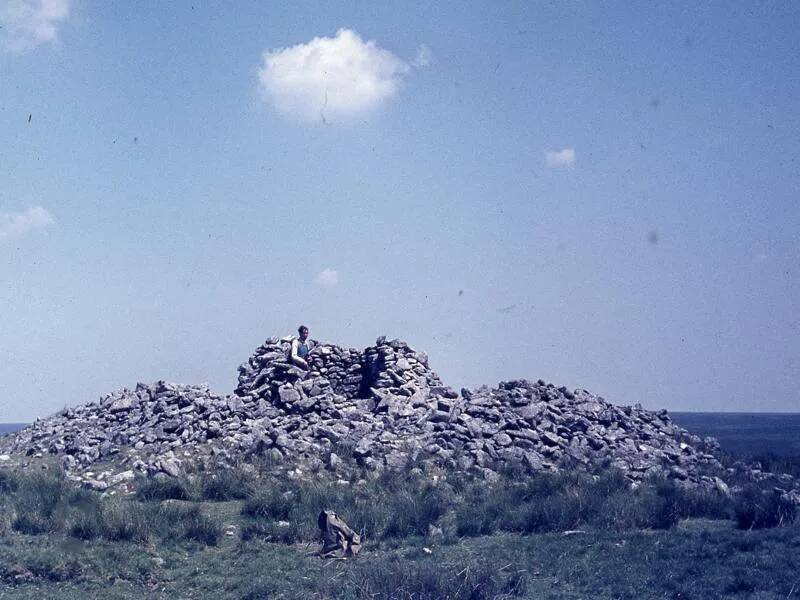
(241, 536)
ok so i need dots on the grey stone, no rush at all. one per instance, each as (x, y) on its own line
(502, 439)
(296, 417)
(396, 460)
(363, 448)
(122, 477)
(93, 484)
(122, 404)
(288, 395)
(170, 466)
(334, 462)
(551, 439)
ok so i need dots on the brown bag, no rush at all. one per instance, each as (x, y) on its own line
(338, 540)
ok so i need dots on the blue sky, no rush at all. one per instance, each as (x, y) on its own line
(605, 197)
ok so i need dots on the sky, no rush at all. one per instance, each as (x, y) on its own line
(604, 196)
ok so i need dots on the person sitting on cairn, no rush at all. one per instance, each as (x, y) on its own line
(301, 347)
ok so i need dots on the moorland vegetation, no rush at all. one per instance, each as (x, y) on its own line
(251, 532)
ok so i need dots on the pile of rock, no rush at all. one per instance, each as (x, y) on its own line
(381, 372)
(382, 407)
(372, 405)
(140, 428)
(390, 407)
(545, 427)
(269, 366)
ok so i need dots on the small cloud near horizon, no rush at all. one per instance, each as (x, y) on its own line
(336, 77)
(424, 57)
(327, 278)
(14, 225)
(561, 158)
(26, 24)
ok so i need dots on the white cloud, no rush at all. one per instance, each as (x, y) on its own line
(327, 278)
(562, 158)
(424, 57)
(28, 23)
(342, 76)
(16, 225)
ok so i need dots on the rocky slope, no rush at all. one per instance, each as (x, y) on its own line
(382, 407)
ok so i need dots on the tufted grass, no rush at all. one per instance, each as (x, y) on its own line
(225, 485)
(411, 505)
(566, 535)
(155, 489)
(700, 559)
(46, 504)
(758, 509)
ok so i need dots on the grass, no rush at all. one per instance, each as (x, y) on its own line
(772, 463)
(164, 488)
(410, 505)
(473, 578)
(759, 509)
(566, 535)
(46, 504)
(701, 562)
(231, 484)
(404, 578)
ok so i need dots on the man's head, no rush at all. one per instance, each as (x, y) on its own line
(303, 331)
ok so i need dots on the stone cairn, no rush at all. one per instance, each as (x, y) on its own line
(382, 407)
